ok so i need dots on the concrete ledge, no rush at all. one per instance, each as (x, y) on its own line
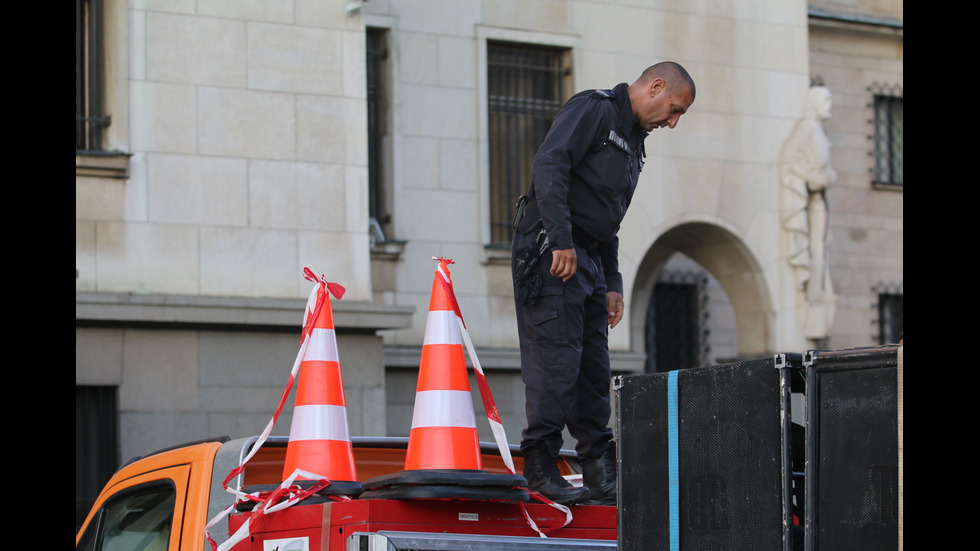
(102, 164)
(125, 308)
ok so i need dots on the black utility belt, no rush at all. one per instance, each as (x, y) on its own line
(584, 240)
(527, 219)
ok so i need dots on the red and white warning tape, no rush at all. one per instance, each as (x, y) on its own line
(490, 406)
(270, 502)
(287, 495)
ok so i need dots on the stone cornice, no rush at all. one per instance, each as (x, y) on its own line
(102, 164)
(125, 309)
(856, 22)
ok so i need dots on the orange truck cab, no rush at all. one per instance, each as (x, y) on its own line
(164, 501)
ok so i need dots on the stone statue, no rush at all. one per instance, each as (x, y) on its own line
(806, 173)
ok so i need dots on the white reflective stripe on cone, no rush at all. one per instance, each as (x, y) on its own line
(441, 328)
(319, 422)
(323, 346)
(443, 408)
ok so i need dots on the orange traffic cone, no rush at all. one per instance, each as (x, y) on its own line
(444, 459)
(444, 433)
(319, 437)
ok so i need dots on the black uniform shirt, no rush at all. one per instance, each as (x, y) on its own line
(585, 173)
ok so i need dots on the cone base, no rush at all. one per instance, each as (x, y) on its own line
(447, 484)
(512, 495)
(336, 488)
(458, 477)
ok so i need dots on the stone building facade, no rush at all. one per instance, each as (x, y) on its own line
(246, 140)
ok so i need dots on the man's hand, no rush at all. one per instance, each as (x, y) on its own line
(614, 302)
(564, 263)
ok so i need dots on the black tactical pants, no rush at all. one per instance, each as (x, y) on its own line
(565, 356)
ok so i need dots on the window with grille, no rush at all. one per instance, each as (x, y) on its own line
(90, 118)
(888, 136)
(890, 317)
(377, 98)
(526, 85)
(96, 444)
(889, 314)
(676, 331)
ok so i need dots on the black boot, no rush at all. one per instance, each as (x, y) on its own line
(599, 475)
(541, 472)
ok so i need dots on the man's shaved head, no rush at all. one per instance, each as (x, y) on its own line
(661, 95)
(672, 73)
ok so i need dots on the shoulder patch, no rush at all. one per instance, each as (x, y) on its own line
(603, 94)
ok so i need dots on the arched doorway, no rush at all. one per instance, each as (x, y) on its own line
(692, 273)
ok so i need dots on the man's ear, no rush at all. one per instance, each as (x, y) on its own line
(657, 85)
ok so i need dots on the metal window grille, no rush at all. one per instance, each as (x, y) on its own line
(96, 444)
(90, 117)
(890, 312)
(377, 53)
(526, 88)
(677, 334)
(889, 129)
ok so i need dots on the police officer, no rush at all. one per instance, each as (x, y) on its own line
(567, 286)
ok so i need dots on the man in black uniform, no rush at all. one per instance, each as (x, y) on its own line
(567, 284)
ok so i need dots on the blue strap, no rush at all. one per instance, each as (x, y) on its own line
(673, 478)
